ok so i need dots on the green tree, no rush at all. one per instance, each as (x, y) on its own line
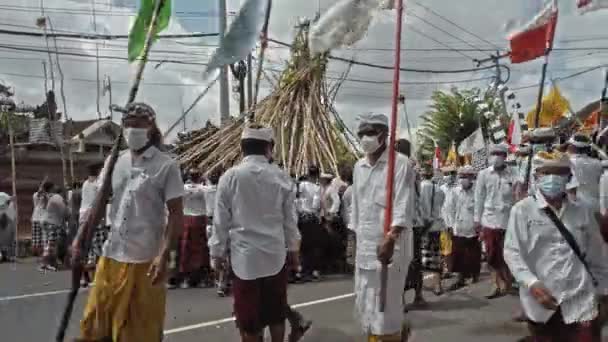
(452, 117)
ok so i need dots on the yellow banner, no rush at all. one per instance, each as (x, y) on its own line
(554, 106)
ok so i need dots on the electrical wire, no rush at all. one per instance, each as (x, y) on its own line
(103, 36)
(456, 25)
(444, 31)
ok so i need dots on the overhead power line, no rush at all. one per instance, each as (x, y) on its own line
(562, 78)
(456, 25)
(97, 36)
(9, 47)
(444, 31)
(388, 67)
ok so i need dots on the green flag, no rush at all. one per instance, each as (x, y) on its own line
(137, 36)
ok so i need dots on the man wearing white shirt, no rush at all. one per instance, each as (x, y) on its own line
(374, 248)
(562, 273)
(193, 253)
(431, 207)
(7, 227)
(89, 191)
(255, 207)
(587, 170)
(128, 301)
(493, 202)
(39, 199)
(309, 224)
(459, 210)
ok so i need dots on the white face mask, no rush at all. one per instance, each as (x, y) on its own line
(370, 144)
(136, 138)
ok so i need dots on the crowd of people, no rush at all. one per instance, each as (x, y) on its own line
(537, 214)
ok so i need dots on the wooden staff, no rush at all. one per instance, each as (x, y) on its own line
(85, 233)
(264, 44)
(390, 179)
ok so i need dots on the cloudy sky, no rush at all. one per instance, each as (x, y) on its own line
(581, 44)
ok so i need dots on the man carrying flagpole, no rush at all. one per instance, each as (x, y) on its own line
(373, 247)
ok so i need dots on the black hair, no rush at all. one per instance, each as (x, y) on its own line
(47, 186)
(156, 137)
(94, 169)
(313, 171)
(254, 147)
(404, 147)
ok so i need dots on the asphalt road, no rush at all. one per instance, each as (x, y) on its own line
(31, 303)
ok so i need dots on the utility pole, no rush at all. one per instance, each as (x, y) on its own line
(108, 88)
(223, 78)
(96, 63)
(249, 81)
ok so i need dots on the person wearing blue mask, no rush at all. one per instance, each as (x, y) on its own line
(554, 249)
(493, 201)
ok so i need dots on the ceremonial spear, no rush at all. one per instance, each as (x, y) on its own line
(390, 179)
(85, 233)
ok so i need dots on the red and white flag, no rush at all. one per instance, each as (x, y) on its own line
(535, 39)
(585, 6)
(437, 158)
(514, 134)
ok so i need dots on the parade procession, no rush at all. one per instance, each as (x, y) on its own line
(313, 171)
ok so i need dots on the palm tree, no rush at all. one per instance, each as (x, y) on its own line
(451, 118)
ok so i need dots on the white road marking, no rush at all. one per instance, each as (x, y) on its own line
(231, 319)
(32, 295)
(53, 293)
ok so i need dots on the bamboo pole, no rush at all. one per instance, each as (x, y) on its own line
(264, 44)
(388, 212)
(11, 137)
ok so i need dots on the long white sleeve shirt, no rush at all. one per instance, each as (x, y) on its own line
(369, 201)
(535, 251)
(459, 209)
(194, 200)
(39, 206)
(210, 190)
(56, 210)
(255, 213)
(493, 198)
(346, 209)
(309, 198)
(330, 201)
(141, 187)
(89, 191)
(431, 203)
(604, 193)
(588, 172)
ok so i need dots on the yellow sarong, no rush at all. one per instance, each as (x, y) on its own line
(445, 239)
(124, 305)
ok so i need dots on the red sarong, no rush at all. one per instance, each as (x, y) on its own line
(193, 250)
(555, 330)
(495, 241)
(261, 302)
(466, 254)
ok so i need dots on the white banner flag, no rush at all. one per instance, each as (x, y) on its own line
(472, 143)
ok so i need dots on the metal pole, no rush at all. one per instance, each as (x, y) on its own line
(223, 78)
(97, 95)
(249, 81)
(390, 179)
(539, 104)
(110, 98)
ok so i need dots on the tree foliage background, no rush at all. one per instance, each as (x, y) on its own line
(452, 117)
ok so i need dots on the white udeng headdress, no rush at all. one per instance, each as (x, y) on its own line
(262, 133)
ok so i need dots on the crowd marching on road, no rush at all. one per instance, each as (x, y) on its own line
(252, 229)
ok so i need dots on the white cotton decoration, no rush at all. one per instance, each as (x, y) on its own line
(343, 24)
